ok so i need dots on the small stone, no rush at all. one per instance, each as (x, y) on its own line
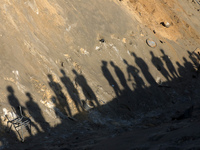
(166, 24)
(151, 43)
(97, 48)
(102, 40)
(124, 40)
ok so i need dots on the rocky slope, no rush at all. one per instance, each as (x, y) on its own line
(86, 76)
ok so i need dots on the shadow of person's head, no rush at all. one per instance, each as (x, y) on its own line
(10, 89)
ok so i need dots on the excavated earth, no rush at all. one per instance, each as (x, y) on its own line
(83, 72)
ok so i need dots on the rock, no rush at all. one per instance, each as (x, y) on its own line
(102, 40)
(166, 24)
(151, 43)
(186, 114)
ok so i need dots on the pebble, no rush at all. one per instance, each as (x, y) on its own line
(151, 43)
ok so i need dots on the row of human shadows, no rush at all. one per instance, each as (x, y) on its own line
(60, 99)
(170, 73)
(133, 72)
(162, 63)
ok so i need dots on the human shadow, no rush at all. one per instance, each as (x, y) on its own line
(181, 70)
(4, 133)
(61, 102)
(188, 65)
(190, 68)
(120, 76)
(14, 103)
(144, 68)
(12, 99)
(157, 62)
(36, 113)
(169, 64)
(139, 102)
(195, 58)
(134, 72)
(73, 92)
(87, 91)
(110, 78)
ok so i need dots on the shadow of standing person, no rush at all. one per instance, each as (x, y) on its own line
(87, 91)
(145, 69)
(120, 76)
(71, 90)
(134, 72)
(169, 64)
(190, 68)
(14, 102)
(62, 103)
(36, 114)
(12, 99)
(181, 70)
(188, 65)
(110, 78)
(195, 58)
(157, 62)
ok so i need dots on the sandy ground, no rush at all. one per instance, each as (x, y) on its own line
(84, 74)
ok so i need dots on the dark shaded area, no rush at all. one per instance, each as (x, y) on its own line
(184, 115)
(128, 99)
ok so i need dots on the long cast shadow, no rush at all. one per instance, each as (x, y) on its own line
(73, 92)
(134, 72)
(62, 103)
(12, 96)
(36, 113)
(120, 76)
(110, 78)
(87, 91)
(181, 70)
(144, 68)
(14, 102)
(12, 99)
(169, 64)
(157, 62)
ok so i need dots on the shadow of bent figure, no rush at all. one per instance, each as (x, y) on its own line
(131, 70)
(120, 76)
(71, 90)
(36, 114)
(62, 103)
(145, 69)
(157, 62)
(87, 91)
(169, 64)
(110, 78)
